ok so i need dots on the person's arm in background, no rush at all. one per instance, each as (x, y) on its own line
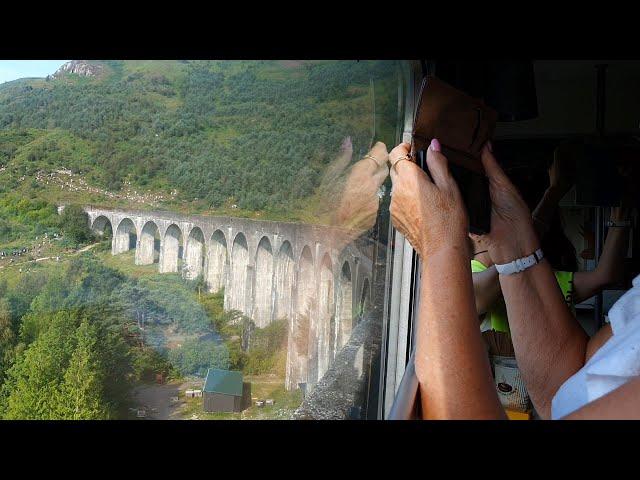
(609, 269)
(486, 286)
(550, 345)
(451, 361)
(561, 179)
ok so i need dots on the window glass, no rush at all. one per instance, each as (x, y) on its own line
(194, 239)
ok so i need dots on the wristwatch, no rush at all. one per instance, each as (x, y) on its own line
(520, 264)
(624, 223)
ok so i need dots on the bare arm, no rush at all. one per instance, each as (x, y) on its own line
(549, 344)
(451, 362)
(561, 179)
(486, 288)
(610, 265)
(543, 213)
(622, 403)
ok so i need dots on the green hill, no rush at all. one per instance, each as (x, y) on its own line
(191, 135)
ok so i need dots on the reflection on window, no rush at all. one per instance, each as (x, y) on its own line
(194, 239)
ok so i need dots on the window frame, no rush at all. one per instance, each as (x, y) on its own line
(402, 270)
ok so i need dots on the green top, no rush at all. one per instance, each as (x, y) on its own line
(223, 381)
(497, 314)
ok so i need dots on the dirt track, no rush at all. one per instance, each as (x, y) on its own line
(157, 399)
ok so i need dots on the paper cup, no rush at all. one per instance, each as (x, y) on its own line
(509, 384)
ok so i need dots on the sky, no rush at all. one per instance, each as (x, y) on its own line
(14, 69)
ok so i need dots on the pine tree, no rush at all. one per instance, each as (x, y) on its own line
(80, 396)
(33, 382)
(7, 337)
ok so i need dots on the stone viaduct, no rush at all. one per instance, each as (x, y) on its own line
(314, 276)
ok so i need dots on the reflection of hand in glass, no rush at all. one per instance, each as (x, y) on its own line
(336, 169)
(359, 202)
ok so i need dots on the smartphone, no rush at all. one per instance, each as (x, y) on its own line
(462, 124)
(474, 188)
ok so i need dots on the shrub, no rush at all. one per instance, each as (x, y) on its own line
(148, 362)
(194, 357)
(267, 349)
(74, 222)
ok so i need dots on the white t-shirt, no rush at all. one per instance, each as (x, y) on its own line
(613, 365)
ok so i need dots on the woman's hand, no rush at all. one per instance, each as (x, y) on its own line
(430, 214)
(512, 234)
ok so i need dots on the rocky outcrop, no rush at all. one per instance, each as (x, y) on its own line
(79, 67)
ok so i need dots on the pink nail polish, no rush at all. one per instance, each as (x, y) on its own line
(435, 145)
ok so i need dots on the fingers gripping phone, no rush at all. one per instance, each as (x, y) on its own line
(462, 124)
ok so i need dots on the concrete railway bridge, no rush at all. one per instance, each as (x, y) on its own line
(269, 270)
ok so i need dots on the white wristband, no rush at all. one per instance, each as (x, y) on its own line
(520, 264)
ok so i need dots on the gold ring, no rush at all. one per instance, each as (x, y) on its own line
(371, 157)
(404, 157)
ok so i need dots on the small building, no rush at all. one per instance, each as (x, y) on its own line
(224, 391)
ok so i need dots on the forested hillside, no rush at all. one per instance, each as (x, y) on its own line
(256, 135)
(82, 331)
(76, 337)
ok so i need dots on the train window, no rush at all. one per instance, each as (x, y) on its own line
(196, 239)
(569, 144)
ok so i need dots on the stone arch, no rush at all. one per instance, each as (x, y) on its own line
(345, 308)
(171, 252)
(239, 265)
(326, 316)
(285, 273)
(302, 351)
(364, 301)
(306, 283)
(217, 265)
(194, 254)
(126, 236)
(102, 226)
(263, 283)
(148, 251)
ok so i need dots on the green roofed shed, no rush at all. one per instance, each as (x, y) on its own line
(224, 391)
(223, 381)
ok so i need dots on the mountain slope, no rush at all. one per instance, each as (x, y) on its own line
(214, 133)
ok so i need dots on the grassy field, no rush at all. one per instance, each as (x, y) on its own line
(125, 263)
(262, 387)
(27, 263)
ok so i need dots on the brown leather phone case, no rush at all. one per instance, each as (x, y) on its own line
(462, 124)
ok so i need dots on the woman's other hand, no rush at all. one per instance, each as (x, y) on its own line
(359, 202)
(512, 234)
(430, 214)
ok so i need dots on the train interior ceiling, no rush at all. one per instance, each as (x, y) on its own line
(551, 103)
